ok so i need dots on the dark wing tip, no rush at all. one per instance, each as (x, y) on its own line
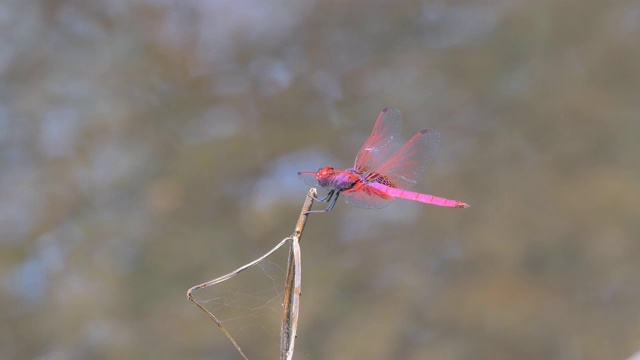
(434, 135)
(425, 131)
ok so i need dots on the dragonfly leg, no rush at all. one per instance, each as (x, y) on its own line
(332, 203)
(325, 198)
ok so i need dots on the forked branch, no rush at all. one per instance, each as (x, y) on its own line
(291, 300)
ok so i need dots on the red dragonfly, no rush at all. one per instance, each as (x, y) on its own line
(383, 171)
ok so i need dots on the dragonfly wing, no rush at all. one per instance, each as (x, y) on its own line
(382, 143)
(409, 164)
(367, 197)
(308, 177)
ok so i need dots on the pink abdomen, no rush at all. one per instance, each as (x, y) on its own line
(424, 198)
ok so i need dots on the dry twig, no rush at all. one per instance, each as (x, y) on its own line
(291, 300)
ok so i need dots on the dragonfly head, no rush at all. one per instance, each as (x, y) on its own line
(325, 176)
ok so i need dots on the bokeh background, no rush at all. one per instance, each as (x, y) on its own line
(147, 146)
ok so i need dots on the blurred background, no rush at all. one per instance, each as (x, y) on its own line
(147, 146)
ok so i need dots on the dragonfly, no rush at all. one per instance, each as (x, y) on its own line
(384, 169)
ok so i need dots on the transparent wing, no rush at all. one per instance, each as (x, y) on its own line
(366, 197)
(409, 164)
(308, 177)
(382, 143)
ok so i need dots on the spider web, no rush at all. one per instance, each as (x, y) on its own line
(249, 305)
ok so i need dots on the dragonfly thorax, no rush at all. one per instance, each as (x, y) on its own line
(330, 178)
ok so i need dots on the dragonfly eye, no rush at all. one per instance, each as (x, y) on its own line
(325, 172)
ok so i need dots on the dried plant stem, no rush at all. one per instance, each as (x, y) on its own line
(291, 300)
